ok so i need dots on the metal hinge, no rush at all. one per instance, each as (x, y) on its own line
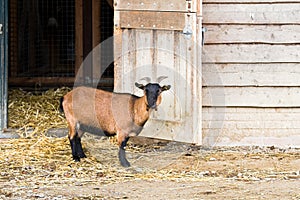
(1, 32)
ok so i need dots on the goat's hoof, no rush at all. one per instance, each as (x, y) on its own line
(125, 164)
(76, 159)
(82, 156)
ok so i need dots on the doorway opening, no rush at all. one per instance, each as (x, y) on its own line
(48, 40)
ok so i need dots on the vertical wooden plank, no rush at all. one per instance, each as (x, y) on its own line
(144, 55)
(180, 83)
(187, 101)
(118, 55)
(164, 66)
(87, 42)
(198, 136)
(128, 57)
(118, 59)
(13, 38)
(31, 34)
(96, 23)
(78, 35)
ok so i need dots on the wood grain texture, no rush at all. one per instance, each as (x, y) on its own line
(150, 5)
(251, 126)
(251, 13)
(151, 20)
(251, 96)
(154, 53)
(275, 34)
(285, 74)
(251, 53)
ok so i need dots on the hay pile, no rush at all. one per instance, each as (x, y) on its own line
(33, 114)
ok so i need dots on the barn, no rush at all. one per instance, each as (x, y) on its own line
(234, 66)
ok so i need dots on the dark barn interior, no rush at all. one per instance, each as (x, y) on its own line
(49, 40)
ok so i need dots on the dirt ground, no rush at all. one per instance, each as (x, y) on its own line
(43, 169)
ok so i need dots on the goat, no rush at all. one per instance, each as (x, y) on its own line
(107, 113)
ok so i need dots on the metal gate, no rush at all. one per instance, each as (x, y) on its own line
(162, 38)
(3, 64)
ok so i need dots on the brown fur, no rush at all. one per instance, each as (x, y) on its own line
(120, 114)
(112, 113)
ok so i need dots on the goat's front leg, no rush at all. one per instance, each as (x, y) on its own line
(74, 148)
(122, 155)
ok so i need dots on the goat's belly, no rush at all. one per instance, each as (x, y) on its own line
(93, 130)
(130, 130)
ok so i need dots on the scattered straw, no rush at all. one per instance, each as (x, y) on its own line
(46, 161)
(33, 114)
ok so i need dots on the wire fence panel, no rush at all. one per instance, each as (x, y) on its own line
(46, 32)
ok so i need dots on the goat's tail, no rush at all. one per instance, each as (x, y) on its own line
(61, 108)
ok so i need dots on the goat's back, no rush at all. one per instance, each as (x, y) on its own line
(102, 109)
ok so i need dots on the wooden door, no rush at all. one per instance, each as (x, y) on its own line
(162, 38)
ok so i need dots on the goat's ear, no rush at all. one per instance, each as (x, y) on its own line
(165, 87)
(141, 86)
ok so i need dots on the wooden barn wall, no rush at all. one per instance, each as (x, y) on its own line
(251, 72)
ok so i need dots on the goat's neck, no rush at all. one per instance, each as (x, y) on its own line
(141, 111)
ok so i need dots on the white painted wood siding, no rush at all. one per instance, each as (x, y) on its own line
(251, 72)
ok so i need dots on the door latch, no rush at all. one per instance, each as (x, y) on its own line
(188, 32)
(204, 30)
(1, 32)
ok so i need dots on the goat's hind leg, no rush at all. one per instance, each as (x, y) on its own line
(80, 152)
(122, 155)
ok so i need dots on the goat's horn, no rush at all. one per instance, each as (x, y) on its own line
(147, 79)
(159, 79)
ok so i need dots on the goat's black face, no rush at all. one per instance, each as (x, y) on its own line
(153, 92)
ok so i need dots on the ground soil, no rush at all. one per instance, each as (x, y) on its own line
(160, 170)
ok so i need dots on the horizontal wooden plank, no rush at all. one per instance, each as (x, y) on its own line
(152, 20)
(251, 53)
(251, 126)
(150, 5)
(251, 13)
(250, 114)
(53, 81)
(251, 74)
(251, 137)
(276, 34)
(251, 96)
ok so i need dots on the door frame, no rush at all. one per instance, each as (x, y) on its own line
(3, 64)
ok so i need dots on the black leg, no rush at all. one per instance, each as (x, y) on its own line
(80, 152)
(122, 155)
(74, 149)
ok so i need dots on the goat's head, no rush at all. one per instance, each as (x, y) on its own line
(153, 91)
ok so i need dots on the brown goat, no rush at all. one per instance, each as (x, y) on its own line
(106, 113)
